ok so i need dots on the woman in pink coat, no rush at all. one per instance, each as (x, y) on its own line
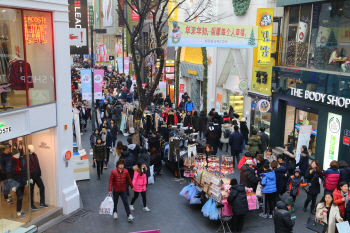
(140, 181)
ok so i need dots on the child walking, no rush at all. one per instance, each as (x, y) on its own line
(140, 181)
(294, 183)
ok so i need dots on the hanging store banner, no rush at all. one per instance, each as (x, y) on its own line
(264, 20)
(78, 18)
(107, 16)
(332, 139)
(173, 13)
(305, 132)
(121, 4)
(86, 84)
(212, 35)
(218, 102)
(98, 81)
(120, 65)
(134, 15)
(126, 65)
(181, 92)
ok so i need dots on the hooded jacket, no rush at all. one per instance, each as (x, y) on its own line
(203, 120)
(139, 181)
(118, 179)
(100, 152)
(268, 182)
(145, 158)
(189, 106)
(282, 219)
(238, 200)
(168, 101)
(264, 141)
(225, 127)
(303, 163)
(135, 151)
(210, 140)
(254, 142)
(129, 159)
(195, 123)
(331, 175)
(248, 178)
(117, 112)
(294, 184)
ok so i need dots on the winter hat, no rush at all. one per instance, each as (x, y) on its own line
(297, 170)
(289, 201)
(243, 120)
(249, 162)
(233, 182)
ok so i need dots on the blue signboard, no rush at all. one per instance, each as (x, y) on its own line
(347, 132)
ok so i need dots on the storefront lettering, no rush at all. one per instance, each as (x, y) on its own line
(39, 79)
(192, 72)
(35, 29)
(324, 98)
(4, 129)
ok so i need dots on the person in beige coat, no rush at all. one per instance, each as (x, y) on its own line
(223, 139)
(331, 209)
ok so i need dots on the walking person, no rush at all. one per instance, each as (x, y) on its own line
(145, 157)
(83, 118)
(118, 151)
(254, 143)
(264, 139)
(217, 129)
(238, 200)
(236, 141)
(313, 175)
(268, 184)
(99, 156)
(244, 130)
(331, 177)
(107, 137)
(156, 160)
(93, 137)
(117, 184)
(294, 183)
(189, 106)
(140, 181)
(328, 212)
(303, 163)
(202, 124)
(195, 121)
(226, 131)
(129, 163)
(114, 132)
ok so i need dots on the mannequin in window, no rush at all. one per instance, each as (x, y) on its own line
(35, 175)
(5, 163)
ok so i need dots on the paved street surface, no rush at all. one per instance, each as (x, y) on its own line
(169, 212)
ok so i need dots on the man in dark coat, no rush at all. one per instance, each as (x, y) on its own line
(264, 140)
(195, 121)
(282, 217)
(128, 83)
(239, 203)
(202, 124)
(247, 175)
(117, 113)
(153, 141)
(134, 149)
(188, 120)
(244, 130)
(217, 129)
(107, 137)
(236, 141)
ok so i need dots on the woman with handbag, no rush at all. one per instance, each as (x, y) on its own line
(328, 212)
(313, 175)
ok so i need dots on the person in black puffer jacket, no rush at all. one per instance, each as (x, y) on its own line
(195, 121)
(154, 141)
(247, 176)
(313, 175)
(99, 155)
(202, 124)
(129, 164)
(239, 203)
(282, 219)
(304, 160)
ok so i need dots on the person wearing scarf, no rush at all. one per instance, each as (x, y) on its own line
(341, 197)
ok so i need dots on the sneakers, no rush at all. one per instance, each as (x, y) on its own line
(21, 215)
(130, 218)
(146, 209)
(34, 208)
(8, 201)
(263, 215)
(44, 206)
(270, 216)
(115, 216)
(131, 207)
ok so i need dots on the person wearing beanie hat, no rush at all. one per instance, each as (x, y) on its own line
(289, 202)
(294, 183)
(282, 218)
(238, 200)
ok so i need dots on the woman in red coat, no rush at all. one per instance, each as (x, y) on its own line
(140, 182)
(117, 183)
(341, 197)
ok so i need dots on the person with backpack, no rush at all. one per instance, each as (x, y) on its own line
(189, 105)
(226, 131)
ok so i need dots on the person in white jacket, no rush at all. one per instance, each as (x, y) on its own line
(328, 212)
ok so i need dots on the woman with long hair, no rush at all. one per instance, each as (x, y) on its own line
(344, 172)
(313, 175)
(328, 212)
(118, 151)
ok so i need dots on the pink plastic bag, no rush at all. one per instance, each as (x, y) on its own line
(251, 202)
(227, 210)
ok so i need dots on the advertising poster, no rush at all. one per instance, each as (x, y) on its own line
(134, 15)
(126, 65)
(265, 22)
(172, 11)
(107, 17)
(181, 91)
(218, 102)
(212, 35)
(78, 18)
(332, 139)
(86, 84)
(162, 88)
(303, 138)
(98, 81)
(120, 64)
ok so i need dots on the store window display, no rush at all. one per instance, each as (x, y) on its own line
(261, 115)
(236, 101)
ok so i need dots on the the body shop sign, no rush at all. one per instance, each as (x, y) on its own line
(332, 139)
(4, 128)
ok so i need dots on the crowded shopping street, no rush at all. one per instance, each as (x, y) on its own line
(167, 116)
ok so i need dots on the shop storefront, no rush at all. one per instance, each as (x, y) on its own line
(34, 117)
(315, 102)
(260, 112)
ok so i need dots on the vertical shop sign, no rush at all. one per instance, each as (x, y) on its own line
(303, 138)
(86, 84)
(218, 102)
(134, 15)
(91, 15)
(98, 81)
(78, 18)
(332, 139)
(171, 11)
(126, 65)
(120, 64)
(264, 20)
(120, 17)
(181, 91)
(162, 88)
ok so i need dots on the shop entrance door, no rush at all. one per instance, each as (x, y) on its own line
(295, 119)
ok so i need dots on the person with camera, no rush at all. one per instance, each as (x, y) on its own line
(140, 181)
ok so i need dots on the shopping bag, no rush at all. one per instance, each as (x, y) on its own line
(316, 225)
(206, 207)
(227, 210)
(195, 201)
(343, 227)
(258, 190)
(193, 192)
(107, 206)
(214, 213)
(185, 189)
(151, 178)
(251, 202)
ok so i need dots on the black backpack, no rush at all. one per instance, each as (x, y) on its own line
(227, 133)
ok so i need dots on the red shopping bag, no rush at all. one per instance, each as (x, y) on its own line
(227, 210)
(251, 202)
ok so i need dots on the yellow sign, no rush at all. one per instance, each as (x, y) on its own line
(192, 72)
(264, 20)
(172, 5)
(259, 85)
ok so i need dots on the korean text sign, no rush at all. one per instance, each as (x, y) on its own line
(86, 84)
(212, 35)
(264, 20)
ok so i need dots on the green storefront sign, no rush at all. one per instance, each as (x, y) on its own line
(91, 15)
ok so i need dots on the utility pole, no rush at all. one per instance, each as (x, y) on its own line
(123, 47)
(93, 117)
